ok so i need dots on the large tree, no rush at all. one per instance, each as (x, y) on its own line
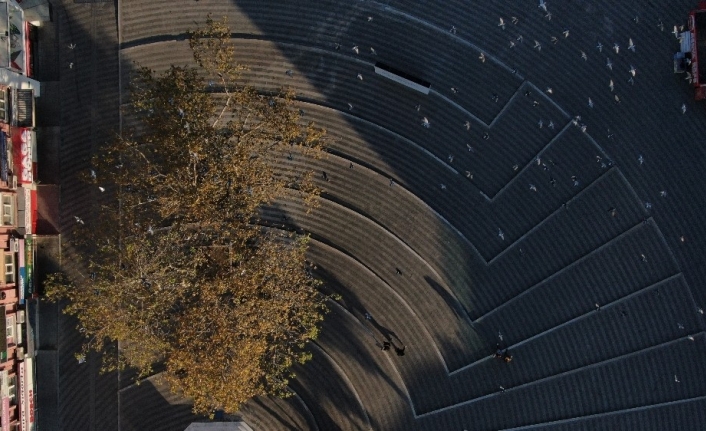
(177, 269)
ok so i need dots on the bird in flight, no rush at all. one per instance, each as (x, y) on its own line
(537, 45)
(616, 48)
(683, 108)
(425, 122)
(514, 20)
(631, 45)
(566, 33)
(543, 5)
(600, 47)
(467, 125)
(372, 51)
(481, 57)
(590, 103)
(609, 64)
(78, 219)
(611, 85)
(502, 23)
(632, 71)
(584, 56)
(356, 50)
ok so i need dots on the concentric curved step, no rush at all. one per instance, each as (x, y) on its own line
(633, 364)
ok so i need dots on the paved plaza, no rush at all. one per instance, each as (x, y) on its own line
(552, 207)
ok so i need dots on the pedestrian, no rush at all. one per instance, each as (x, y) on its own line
(498, 353)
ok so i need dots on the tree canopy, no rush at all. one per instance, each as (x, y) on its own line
(177, 268)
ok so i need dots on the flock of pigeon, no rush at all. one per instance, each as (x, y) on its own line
(606, 51)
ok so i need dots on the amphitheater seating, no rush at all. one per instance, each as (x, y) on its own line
(455, 240)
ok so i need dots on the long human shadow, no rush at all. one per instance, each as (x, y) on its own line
(349, 300)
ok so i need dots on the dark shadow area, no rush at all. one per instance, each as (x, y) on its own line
(150, 407)
(258, 412)
(350, 302)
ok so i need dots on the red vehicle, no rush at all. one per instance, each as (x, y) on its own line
(691, 57)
